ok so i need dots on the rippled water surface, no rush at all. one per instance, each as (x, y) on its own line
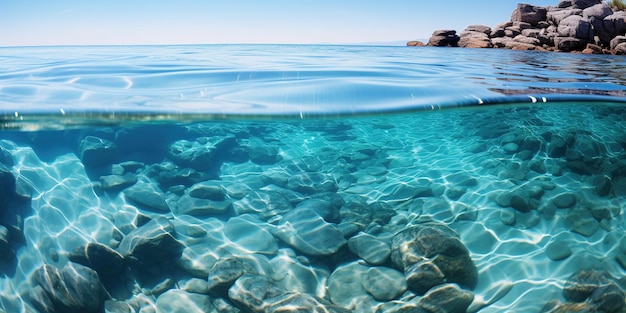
(261, 178)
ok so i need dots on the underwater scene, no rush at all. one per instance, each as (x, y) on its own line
(311, 179)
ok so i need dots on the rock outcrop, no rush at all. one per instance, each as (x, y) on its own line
(588, 26)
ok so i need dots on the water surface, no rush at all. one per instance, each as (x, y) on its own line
(302, 164)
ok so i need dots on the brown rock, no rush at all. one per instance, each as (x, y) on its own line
(415, 43)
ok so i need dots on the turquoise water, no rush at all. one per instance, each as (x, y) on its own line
(266, 178)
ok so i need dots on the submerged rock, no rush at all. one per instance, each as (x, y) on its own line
(307, 232)
(152, 243)
(431, 254)
(73, 289)
(179, 301)
(94, 151)
(102, 259)
(448, 296)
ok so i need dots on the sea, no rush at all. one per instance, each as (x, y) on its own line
(311, 178)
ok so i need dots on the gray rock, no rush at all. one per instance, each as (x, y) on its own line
(431, 254)
(615, 24)
(296, 274)
(577, 27)
(147, 196)
(578, 4)
(151, 243)
(448, 296)
(104, 260)
(383, 283)
(529, 14)
(95, 152)
(369, 248)
(557, 16)
(599, 11)
(179, 301)
(617, 41)
(308, 233)
(73, 289)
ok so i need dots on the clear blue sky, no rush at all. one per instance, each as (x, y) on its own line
(61, 22)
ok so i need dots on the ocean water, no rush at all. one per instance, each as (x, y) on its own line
(195, 170)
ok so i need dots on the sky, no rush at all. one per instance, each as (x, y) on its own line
(111, 22)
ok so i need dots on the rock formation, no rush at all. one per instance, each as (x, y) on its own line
(587, 26)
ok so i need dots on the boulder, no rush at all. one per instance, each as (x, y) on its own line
(599, 11)
(474, 39)
(615, 24)
(415, 43)
(192, 154)
(102, 259)
(152, 243)
(73, 289)
(369, 248)
(95, 152)
(616, 41)
(556, 17)
(578, 4)
(431, 254)
(568, 44)
(577, 27)
(444, 38)
(147, 196)
(529, 14)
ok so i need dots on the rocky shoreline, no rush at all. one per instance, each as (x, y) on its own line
(583, 26)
